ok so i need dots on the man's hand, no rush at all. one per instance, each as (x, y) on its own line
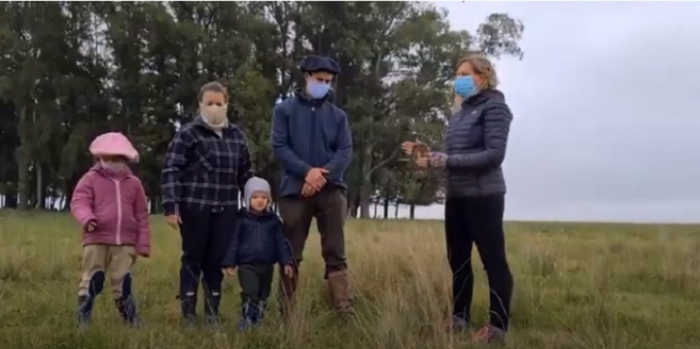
(307, 191)
(174, 221)
(315, 178)
(228, 271)
(288, 271)
(90, 226)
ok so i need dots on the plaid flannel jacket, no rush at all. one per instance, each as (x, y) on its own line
(203, 170)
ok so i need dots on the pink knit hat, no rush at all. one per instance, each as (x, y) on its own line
(115, 144)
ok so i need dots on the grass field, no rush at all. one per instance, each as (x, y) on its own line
(577, 286)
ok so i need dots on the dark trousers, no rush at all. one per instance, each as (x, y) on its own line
(478, 220)
(329, 207)
(205, 238)
(256, 282)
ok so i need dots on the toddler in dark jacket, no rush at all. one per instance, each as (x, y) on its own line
(258, 243)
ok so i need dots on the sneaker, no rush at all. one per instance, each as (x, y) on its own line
(489, 335)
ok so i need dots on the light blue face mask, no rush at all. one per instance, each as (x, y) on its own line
(317, 90)
(464, 87)
(115, 167)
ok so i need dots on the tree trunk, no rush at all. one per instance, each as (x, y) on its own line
(386, 208)
(353, 203)
(412, 213)
(39, 185)
(365, 199)
(396, 210)
(22, 182)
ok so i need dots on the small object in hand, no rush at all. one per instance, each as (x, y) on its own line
(420, 150)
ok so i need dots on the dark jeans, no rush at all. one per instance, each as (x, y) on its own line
(256, 282)
(205, 238)
(478, 220)
(329, 207)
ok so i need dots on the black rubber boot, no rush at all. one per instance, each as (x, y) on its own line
(188, 306)
(211, 307)
(87, 302)
(126, 304)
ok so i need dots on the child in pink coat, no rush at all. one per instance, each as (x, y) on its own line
(109, 202)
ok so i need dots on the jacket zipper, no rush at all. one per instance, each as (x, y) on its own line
(117, 184)
(313, 131)
(258, 248)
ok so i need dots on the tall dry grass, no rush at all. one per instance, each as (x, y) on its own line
(577, 286)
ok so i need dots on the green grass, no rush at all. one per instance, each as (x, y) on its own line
(577, 286)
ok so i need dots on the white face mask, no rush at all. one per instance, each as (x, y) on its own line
(213, 114)
(115, 167)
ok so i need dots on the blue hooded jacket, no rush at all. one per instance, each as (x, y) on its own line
(309, 133)
(258, 237)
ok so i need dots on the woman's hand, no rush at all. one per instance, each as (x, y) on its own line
(438, 159)
(434, 159)
(407, 147)
(174, 221)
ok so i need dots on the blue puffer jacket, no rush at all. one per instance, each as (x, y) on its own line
(258, 239)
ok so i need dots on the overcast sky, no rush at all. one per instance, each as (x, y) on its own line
(607, 110)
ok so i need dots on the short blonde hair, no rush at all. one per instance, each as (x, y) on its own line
(482, 66)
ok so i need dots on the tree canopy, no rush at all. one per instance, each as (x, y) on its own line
(72, 70)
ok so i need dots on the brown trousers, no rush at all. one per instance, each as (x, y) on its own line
(115, 260)
(329, 207)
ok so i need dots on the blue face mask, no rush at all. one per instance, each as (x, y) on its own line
(464, 86)
(317, 90)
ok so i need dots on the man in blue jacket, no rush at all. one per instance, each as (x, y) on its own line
(312, 142)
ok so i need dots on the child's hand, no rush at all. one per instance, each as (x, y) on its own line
(229, 271)
(288, 271)
(90, 225)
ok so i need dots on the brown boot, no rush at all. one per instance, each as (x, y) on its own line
(339, 289)
(287, 290)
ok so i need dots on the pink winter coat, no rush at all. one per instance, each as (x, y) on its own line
(117, 203)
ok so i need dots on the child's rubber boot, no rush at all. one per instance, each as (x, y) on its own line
(212, 300)
(259, 312)
(87, 302)
(126, 305)
(246, 315)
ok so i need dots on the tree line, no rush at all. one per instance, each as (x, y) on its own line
(72, 70)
